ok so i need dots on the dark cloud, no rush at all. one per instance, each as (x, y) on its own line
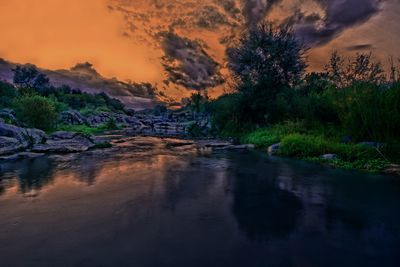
(360, 47)
(339, 15)
(256, 10)
(188, 64)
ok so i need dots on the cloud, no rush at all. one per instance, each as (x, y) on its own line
(256, 10)
(359, 47)
(188, 64)
(339, 15)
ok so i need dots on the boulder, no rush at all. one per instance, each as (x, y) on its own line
(77, 143)
(25, 136)
(72, 117)
(10, 145)
(330, 156)
(274, 149)
(8, 115)
(63, 135)
(393, 169)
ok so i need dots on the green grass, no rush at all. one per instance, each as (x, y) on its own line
(83, 129)
(310, 143)
(303, 146)
(372, 165)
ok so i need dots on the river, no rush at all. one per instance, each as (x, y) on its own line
(144, 203)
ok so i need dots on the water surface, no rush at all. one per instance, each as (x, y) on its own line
(149, 204)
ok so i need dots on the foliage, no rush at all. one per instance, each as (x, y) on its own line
(360, 68)
(298, 145)
(372, 165)
(83, 129)
(7, 94)
(224, 112)
(110, 125)
(370, 111)
(198, 102)
(36, 111)
(265, 61)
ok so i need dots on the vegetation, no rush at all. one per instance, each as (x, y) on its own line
(38, 104)
(88, 130)
(36, 111)
(312, 114)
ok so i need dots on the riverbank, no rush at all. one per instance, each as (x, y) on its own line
(325, 146)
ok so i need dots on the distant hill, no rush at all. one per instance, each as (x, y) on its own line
(83, 76)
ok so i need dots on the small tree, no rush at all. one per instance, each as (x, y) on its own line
(265, 61)
(360, 68)
(36, 111)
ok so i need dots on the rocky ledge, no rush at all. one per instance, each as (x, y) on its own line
(17, 142)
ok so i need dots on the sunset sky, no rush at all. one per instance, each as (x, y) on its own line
(151, 40)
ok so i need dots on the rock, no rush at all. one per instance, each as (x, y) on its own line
(72, 117)
(63, 135)
(35, 136)
(23, 155)
(8, 115)
(274, 149)
(178, 143)
(78, 143)
(236, 147)
(330, 156)
(217, 144)
(25, 136)
(393, 169)
(10, 145)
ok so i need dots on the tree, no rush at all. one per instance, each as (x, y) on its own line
(265, 61)
(29, 77)
(36, 111)
(360, 68)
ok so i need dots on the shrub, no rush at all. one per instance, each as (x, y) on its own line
(7, 94)
(224, 115)
(36, 111)
(370, 111)
(262, 138)
(110, 125)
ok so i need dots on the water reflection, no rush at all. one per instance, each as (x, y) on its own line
(31, 174)
(153, 205)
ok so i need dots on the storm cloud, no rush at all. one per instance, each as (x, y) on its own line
(339, 15)
(188, 64)
(256, 10)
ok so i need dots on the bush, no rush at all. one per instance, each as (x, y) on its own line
(7, 94)
(36, 111)
(262, 138)
(110, 125)
(224, 115)
(370, 111)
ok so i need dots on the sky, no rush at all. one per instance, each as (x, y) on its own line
(179, 45)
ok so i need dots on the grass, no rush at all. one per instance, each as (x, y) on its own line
(83, 129)
(88, 130)
(297, 140)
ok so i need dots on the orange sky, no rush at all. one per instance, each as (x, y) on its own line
(58, 34)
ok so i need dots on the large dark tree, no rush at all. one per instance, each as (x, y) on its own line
(265, 61)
